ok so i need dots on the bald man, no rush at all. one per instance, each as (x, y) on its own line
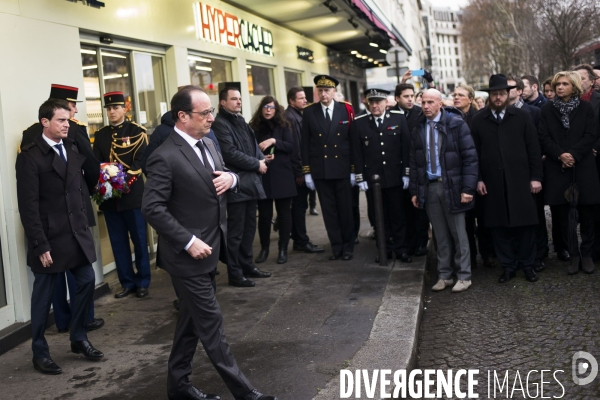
(443, 179)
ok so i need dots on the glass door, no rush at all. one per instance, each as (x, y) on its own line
(150, 89)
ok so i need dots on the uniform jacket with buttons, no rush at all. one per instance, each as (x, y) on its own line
(326, 152)
(383, 150)
(52, 197)
(110, 138)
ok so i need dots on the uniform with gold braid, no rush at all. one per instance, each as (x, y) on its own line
(125, 144)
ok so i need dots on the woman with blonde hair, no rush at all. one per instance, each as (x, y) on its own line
(567, 134)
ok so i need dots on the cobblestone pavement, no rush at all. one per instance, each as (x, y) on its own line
(516, 326)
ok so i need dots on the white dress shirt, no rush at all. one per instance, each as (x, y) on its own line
(330, 108)
(52, 143)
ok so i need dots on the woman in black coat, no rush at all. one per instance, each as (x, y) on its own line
(567, 132)
(274, 136)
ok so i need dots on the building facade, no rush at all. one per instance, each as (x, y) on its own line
(446, 50)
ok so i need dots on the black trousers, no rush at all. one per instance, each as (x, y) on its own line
(312, 198)
(471, 227)
(299, 207)
(394, 219)
(356, 210)
(541, 230)
(241, 228)
(284, 216)
(485, 242)
(586, 226)
(41, 298)
(515, 247)
(200, 319)
(335, 196)
(417, 224)
(559, 236)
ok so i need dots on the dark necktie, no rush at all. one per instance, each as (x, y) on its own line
(60, 152)
(432, 157)
(498, 117)
(327, 118)
(207, 165)
(378, 122)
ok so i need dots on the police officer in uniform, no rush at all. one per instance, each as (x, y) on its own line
(91, 169)
(326, 163)
(124, 142)
(382, 146)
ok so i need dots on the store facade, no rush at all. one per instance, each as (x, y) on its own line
(147, 49)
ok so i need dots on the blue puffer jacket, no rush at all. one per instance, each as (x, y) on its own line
(458, 159)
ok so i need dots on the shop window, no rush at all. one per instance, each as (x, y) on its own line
(151, 91)
(292, 79)
(116, 73)
(260, 84)
(207, 73)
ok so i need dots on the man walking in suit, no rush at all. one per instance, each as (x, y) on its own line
(326, 163)
(184, 200)
(52, 209)
(91, 169)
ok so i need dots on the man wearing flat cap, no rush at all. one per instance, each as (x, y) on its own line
(327, 165)
(382, 146)
(510, 173)
(63, 311)
(124, 142)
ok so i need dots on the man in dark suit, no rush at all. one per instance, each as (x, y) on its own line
(382, 147)
(184, 200)
(241, 152)
(91, 169)
(297, 103)
(326, 163)
(52, 209)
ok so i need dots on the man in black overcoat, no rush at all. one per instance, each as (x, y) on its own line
(52, 208)
(510, 172)
(327, 164)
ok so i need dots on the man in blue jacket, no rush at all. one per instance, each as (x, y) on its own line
(443, 180)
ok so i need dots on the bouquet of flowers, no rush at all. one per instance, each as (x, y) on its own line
(112, 183)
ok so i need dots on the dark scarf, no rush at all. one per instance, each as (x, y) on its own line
(588, 96)
(565, 108)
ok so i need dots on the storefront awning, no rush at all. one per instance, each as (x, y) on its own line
(347, 26)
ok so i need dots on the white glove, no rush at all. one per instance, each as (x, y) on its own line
(363, 186)
(309, 182)
(405, 180)
(353, 179)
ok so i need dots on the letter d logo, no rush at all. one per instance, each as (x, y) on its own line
(581, 367)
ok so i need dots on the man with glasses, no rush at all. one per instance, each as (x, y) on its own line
(243, 156)
(124, 142)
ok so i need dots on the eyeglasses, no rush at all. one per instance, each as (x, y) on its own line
(268, 107)
(203, 114)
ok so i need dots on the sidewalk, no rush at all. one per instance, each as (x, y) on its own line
(291, 334)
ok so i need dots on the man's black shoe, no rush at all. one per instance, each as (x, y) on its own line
(308, 248)
(313, 211)
(257, 273)
(142, 292)
(262, 255)
(539, 266)
(63, 330)
(530, 275)
(97, 323)
(241, 282)
(347, 256)
(421, 251)
(255, 395)
(506, 276)
(193, 393)
(563, 255)
(126, 292)
(405, 258)
(335, 257)
(176, 304)
(46, 366)
(85, 347)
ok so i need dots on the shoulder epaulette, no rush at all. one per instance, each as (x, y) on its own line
(78, 122)
(360, 116)
(312, 104)
(26, 147)
(397, 111)
(343, 101)
(136, 124)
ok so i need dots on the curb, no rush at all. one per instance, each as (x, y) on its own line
(392, 343)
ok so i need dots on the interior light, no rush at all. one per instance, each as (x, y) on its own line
(113, 76)
(86, 51)
(104, 54)
(370, 60)
(373, 44)
(89, 67)
(383, 51)
(248, 66)
(364, 57)
(353, 52)
(358, 55)
(196, 58)
(202, 68)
